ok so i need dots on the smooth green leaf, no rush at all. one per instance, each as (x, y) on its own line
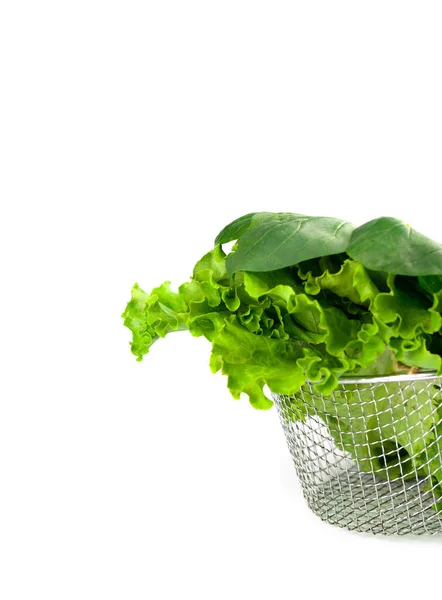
(285, 240)
(234, 230)
(388, 244)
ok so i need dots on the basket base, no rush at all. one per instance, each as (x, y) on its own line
(360, 503)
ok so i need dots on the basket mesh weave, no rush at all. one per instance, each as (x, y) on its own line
(353, 456)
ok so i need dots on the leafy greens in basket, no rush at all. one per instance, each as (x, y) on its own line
(314, 299)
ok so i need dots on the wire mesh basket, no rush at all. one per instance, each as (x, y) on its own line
(369, 456)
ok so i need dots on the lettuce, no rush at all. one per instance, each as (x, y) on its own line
(313, 299)
(316, 320)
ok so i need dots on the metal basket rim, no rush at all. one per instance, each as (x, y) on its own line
(388, 378)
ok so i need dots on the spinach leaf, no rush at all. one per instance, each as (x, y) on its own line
(387, 244)
(234, 230)
(286, 239)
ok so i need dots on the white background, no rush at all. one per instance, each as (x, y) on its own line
(131, 132)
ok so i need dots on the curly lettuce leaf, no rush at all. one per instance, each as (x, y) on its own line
(405, 314)
(351, 281)
(251, 362)
(151, 316)
(306, 320)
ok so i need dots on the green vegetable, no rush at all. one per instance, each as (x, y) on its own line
(282, 239)
(387, 244)
(315, 299)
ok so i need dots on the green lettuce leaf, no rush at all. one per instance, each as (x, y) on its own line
(405, 314)
(151, 316)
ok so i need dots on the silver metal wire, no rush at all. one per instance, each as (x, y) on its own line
(369, 456)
